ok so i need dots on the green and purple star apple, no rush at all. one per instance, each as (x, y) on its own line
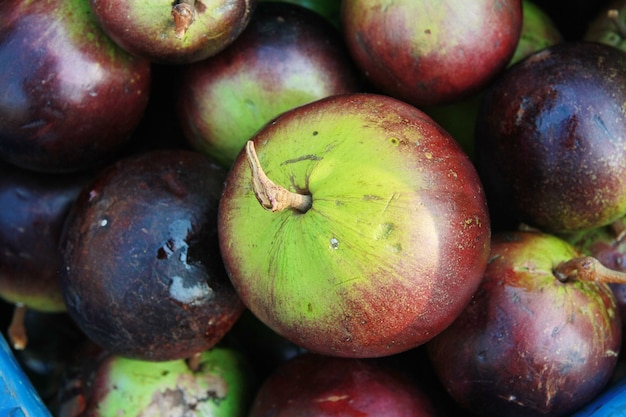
(354, 226)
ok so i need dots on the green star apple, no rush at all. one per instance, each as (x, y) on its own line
(173, 32)
(354, 226)
(99, 384)
(286, 57)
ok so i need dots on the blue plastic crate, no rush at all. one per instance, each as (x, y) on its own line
(18, 397)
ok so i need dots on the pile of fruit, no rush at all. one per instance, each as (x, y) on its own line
(254, 208)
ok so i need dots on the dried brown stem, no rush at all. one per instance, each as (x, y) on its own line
(17, 331)
(588, 268)
(184, 14)
(272, 196)
(193, 363)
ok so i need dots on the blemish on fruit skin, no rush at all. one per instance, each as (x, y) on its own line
(334, 243)
(302, 158)
(194, 294)
(383, 231)
(332, 398)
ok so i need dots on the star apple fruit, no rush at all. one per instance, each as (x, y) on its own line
(549, 142)
(530, 343)
(141, 269)
(173, 32)
(430, 53)
(100, 384)
(354, 226)
(313, 385)
(35, 207)
(71, 98)
(286, 57)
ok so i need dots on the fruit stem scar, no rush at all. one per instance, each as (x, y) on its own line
(613, 15)
(193, 362)
(184, 14)
(272, 196)
(17, 330)
(588, 268)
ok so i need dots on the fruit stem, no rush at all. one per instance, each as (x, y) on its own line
(588, 268)
(193, 362)
(272, 196)
(184, 14)
(613, 15)
(17, 330)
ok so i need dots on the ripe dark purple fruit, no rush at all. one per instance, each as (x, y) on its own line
(312, 385)
(531, 343)
(550, 144)
(70, 97)
(143, 276)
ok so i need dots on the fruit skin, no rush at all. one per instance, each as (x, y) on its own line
(287, 56)
(608, 245)
(529, 344)
(431, 53)
(70, 97)
(395, 242)
(459, 118)
(101, 384)
(146, 27)
(312, 385)
(35, 206)
(550, 148)
(142, 274)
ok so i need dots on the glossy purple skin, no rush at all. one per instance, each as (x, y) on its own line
(550, 144)
(529, 345)
(143, 276)
(313, 385)
(34, 208)
(70, 97)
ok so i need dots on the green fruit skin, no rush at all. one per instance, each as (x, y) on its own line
(538, 32)
(395, 241)
(285, 58)
(222, 387)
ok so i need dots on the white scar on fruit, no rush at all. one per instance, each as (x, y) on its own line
(272, 196)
